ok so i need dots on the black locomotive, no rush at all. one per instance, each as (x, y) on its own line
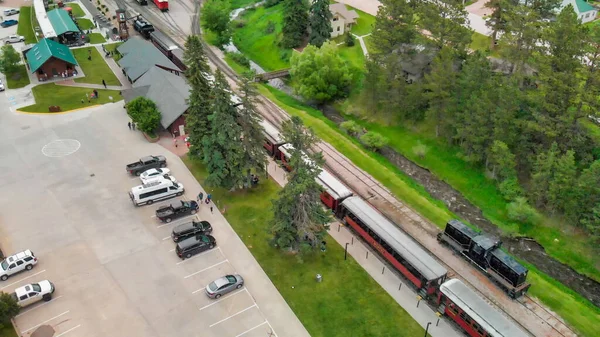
(484, 251)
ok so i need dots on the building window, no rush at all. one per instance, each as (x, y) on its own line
(338, 28)
(587, 15)
(335, 18)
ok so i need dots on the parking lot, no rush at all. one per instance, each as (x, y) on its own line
(64, 196)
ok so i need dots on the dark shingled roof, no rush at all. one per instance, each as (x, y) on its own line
(139, 56)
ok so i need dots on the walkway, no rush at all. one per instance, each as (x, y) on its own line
(363, 45)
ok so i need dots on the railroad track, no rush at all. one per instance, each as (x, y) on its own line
(275, 115)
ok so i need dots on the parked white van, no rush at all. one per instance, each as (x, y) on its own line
(154, 191)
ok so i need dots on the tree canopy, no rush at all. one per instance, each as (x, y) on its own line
(9, 60)
(320, 22)
(295, 23)
(144, 112)
(215, 17)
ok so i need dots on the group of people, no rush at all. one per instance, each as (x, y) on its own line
(131, 125)
(207, 200)
(66, 74)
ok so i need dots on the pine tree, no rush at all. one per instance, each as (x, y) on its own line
(249, 120)
(300, 221)
(446, 22)
(561, 190)
(588, 188)
(543, 172)
(223, 152)
(320, 22)
(395, 25)
(440, 84)
(502, 161)
(295, 23)
(197, 75)
(591, 221)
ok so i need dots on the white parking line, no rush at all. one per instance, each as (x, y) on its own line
(46, 321)
(176, 221)
(212, 250)
(272, 330)
(224, 319)
(219, 300)
(166, 238)
(23, 279)
(245, 332)
(66, 332)
(205, 269)
(41, 305)
(172, 250)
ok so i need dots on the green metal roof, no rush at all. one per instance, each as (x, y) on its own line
(584, 6)
(61, 21)
(44, 50)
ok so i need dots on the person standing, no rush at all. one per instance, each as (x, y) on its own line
(200, 197)
(208, 198)
(104, 83)
(133, 126)
(211, 209)
(129, 125)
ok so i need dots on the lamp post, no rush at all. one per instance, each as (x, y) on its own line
(427, 328)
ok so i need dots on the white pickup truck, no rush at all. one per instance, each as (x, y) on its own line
(34, 292)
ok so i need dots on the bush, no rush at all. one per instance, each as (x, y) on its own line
(240, 59)
(349, 40)
(98, 2)
(145, 113)
(519, 210)
(8, 309)
(510, 189)
(351, 127)
(373, 140)
(420, 150)
(98, 8)
(271, 3)
(270, 27)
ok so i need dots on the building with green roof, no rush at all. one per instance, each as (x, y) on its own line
(65, 28)
(50, 59)
(585, 12)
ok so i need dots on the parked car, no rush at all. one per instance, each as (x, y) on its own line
(1, 86)
(223, 285)
(194, 245)
(8, 23)
(146, 163)
(153, 173)
(11, 11)
(34, 292)
(14, 39)
(189, 229)
(176, 209)
(18, 262)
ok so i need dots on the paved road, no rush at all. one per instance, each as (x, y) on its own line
(113, 264)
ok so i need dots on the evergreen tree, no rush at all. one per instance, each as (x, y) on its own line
(197, 75)
(497, 20)
(395, 25)
(589, 104)
(502, 161)
(295, 23)
(561, 190)
(543, 173)
(591, 221)
(446, 22)
(440, 85)
(249, 120)
(320, 22)
(300, 221)
(223, 152)
(588, 189)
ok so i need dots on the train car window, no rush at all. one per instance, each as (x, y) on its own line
(477, 328)
(452, 308)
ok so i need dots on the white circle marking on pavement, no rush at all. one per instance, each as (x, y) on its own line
(61, 148)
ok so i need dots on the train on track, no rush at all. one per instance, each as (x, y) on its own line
(164, 43)
(430, 278)
(163, 5)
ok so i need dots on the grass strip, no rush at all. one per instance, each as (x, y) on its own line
(8, 331)
(85, 24)
(348, 302)
(68, 98)
(17, 79)
(578, 312)
(96, 69)
(25, 27)
(96, 38)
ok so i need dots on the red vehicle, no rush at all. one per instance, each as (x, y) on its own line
(399, 249)
(472, 313)
(334, 192)
(163, 5)
(273, 139)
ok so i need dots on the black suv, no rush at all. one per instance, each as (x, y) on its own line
(176, 210)
(190, 229)
(195, 245)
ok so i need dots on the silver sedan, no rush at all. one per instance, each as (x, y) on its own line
(223, 285)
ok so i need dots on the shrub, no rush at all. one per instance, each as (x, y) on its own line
(240, 59)
(510, 189)
(519, 210)
(8, 309)
(98, 8)
(349, 40)
(98, 2)
(145, 113)
(271, 3)
(420, 150)
(351, 127)
(103, 6)
(373, 140)
(270, 27)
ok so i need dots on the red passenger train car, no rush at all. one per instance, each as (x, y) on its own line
(399, 249)
(272, 140)
(334, 192)
(163, 5)
(472, 313)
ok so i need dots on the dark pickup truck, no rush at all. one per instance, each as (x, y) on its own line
(190, 229)
(145, 164)
(176, 210)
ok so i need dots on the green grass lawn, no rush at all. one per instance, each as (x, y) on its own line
(577, 311)
(347, 303)
(8, 331)
(114, 46)
(68, 98)
(95, 70)
(96, 38)
(364, 23)
(18, 79)
(85, 24)
(242, 3)
(354, 55)
(238, 68)
(76, 10)
(258, 45)
(25, 28)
